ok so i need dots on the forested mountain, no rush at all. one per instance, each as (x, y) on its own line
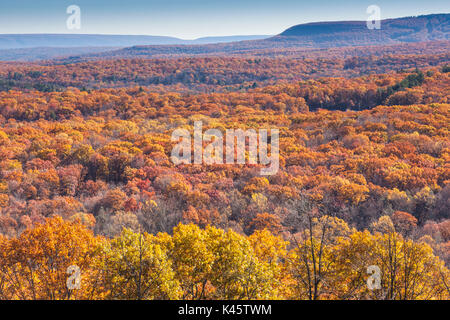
(336, 34)
(313, 35)
(47, 53)
(426, 28)
(16, 41)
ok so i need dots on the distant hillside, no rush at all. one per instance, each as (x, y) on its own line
(409, 29)
(14, 41)
(47, 53)
(435, 27)
(319, 35)
(225, 39)
(20, 41)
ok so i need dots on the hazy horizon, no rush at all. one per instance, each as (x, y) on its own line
(137, 35)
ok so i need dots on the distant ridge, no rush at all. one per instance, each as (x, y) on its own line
(319, 35)
(47, 53)
(339, 33)
(21, 41)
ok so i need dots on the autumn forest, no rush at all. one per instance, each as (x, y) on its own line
(86, 177)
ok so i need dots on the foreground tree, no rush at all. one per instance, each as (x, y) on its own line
(135, 267)
(35, 265)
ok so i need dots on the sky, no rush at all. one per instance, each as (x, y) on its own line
(190, 19)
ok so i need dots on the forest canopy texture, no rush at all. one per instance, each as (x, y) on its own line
(86, 178)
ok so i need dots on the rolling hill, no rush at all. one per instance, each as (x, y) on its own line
(20, 41)
(408, 29)
(320, 35)
(31, 47)
(317, 36)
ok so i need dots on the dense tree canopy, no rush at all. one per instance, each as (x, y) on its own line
(327, 261)
(86, 177)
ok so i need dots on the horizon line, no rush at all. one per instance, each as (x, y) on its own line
(218, 36)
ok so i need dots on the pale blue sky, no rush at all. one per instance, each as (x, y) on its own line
(190, 19)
